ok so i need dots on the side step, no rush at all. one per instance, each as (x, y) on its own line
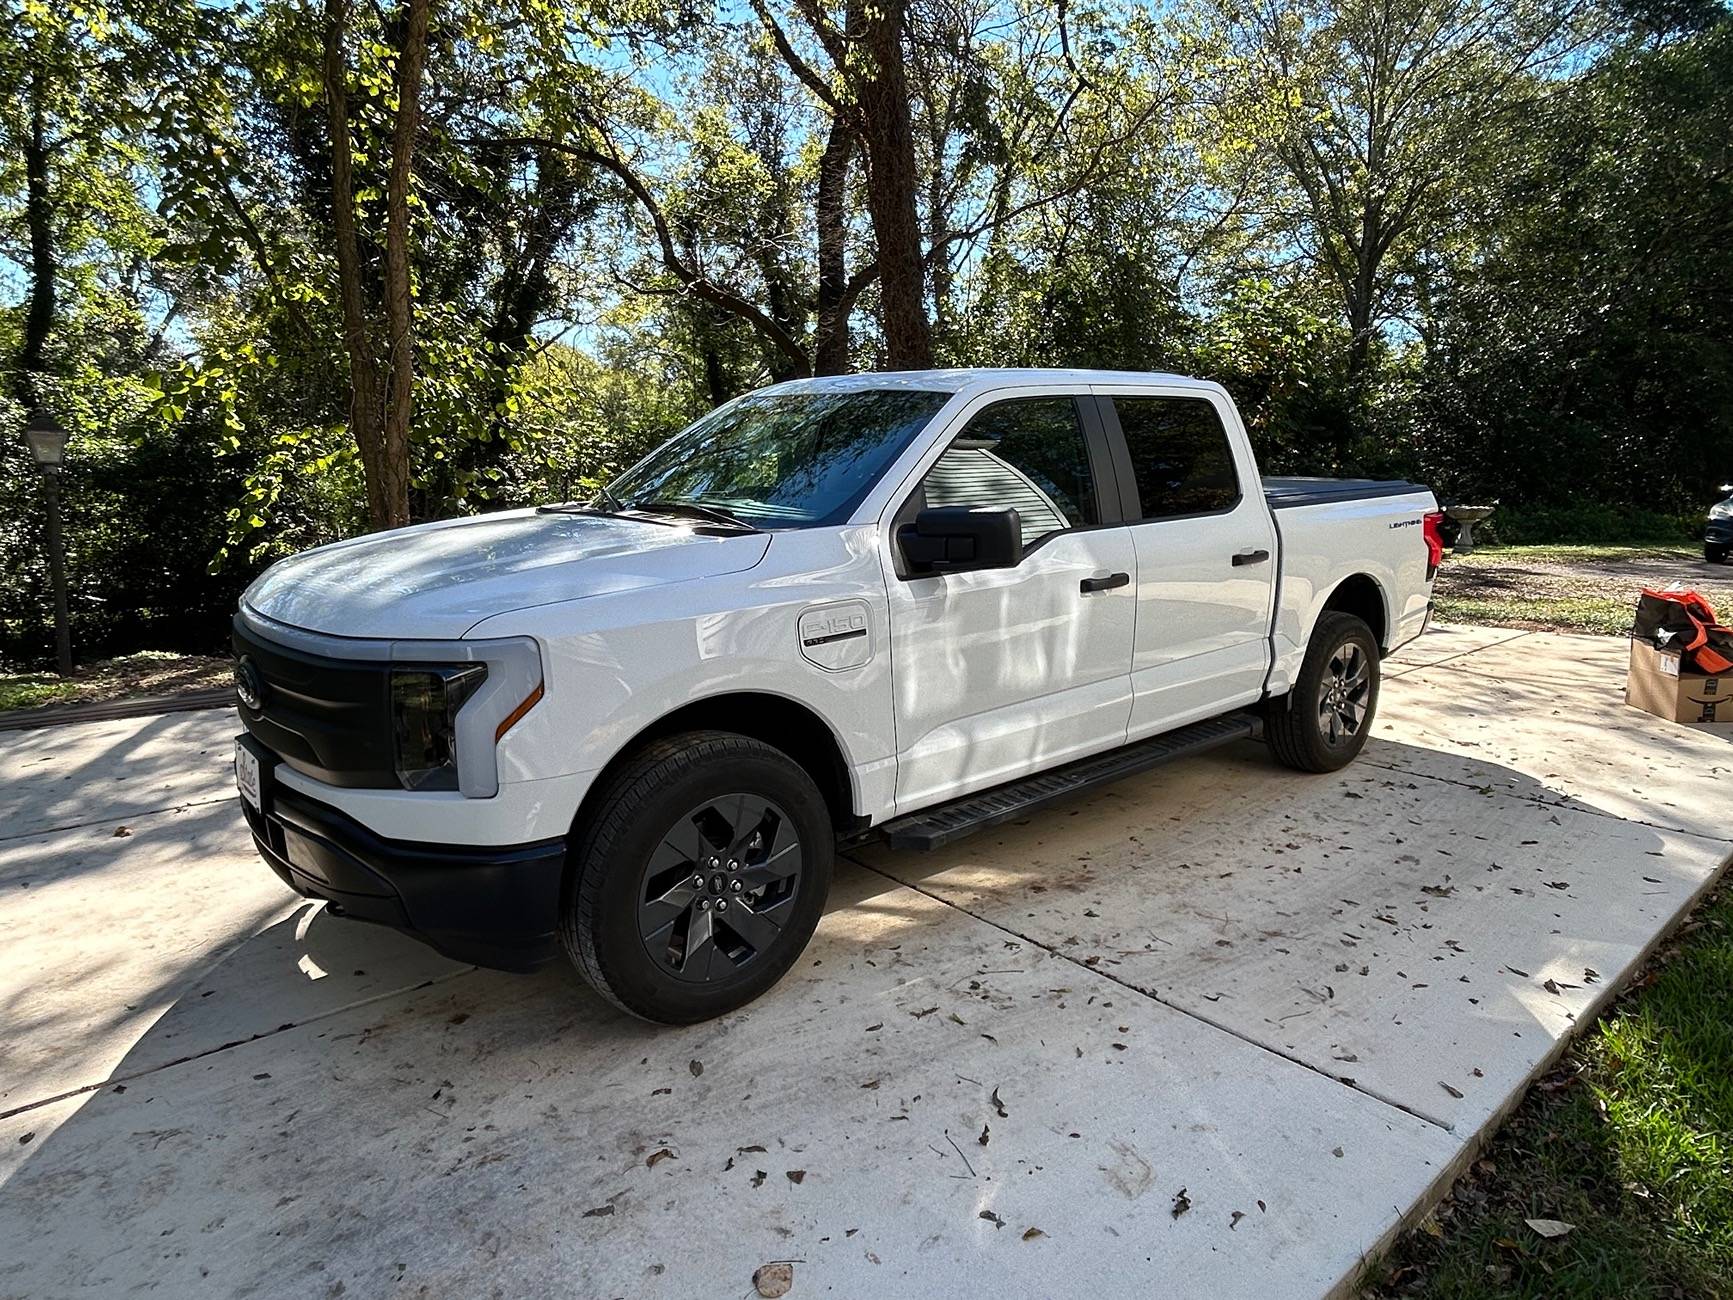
(932, 827)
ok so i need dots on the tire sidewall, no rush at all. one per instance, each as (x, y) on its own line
(611, 864)
(1340, 631)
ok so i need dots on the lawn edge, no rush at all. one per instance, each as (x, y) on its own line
(135, 706)
(1354, 1283)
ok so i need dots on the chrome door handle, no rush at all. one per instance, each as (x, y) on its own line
(1251, 557)
(1108, 583)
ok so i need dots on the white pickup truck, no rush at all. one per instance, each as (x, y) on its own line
(903, 605)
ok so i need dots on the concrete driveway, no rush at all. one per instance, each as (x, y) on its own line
(1212, 1031)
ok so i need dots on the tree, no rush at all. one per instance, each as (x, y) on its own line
(378, 420)
(1380, 115)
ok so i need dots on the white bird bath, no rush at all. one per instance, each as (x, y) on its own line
(1468, 517)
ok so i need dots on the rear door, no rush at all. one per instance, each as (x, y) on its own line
(1206, 553)
(1003, 672)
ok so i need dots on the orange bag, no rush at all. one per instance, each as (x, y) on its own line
(1685, 621)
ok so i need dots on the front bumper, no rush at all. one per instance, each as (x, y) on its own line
(1719, 532)
(494, 907)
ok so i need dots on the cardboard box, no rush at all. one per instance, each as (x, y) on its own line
(1657, 685)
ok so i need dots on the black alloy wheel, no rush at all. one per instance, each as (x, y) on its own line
(698, 874)
(719, 888)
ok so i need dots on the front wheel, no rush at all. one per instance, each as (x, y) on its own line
(700, 879)
(1715, 553)
(1324, 720)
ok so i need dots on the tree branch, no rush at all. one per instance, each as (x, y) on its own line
(694, 281)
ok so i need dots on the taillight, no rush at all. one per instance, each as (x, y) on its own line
(1431, 525)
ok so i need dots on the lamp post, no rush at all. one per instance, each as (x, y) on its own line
(47, 441)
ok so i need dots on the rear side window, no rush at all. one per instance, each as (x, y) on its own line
(1027, 453)
(1180, 455)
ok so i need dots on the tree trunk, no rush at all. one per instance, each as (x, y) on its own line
(365, 424)
(830, 341)
(399, 294)
(39, 217)
(882, 95)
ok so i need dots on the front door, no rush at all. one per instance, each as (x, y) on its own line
(1206, 557)
(1003, 672)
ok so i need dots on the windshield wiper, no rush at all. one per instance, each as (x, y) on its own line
(608, 499)
(712, 514)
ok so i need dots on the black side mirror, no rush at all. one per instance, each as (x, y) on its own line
(951, 539)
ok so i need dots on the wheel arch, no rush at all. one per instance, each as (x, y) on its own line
(776, 720)
(1361, 595)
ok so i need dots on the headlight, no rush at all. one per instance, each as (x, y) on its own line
(451, 704)
(1721, 510)
(424, 707)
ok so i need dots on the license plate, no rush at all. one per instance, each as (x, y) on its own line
(247, 775)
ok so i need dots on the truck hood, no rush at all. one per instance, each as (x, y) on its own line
(437, 581)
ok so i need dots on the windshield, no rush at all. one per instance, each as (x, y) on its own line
(781, 460)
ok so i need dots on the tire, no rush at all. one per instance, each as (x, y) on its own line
(654, 917)
(1715, 554)
(1323, 722)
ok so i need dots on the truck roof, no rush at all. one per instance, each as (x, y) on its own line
(953, 381)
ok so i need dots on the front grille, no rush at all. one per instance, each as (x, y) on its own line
(327, 717)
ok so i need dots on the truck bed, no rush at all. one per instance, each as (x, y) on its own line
(1286, 493)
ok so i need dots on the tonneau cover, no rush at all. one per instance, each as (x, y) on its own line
(1285, 493)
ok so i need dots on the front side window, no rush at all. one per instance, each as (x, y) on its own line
(1027, 453)
(781, 460)
(1180, 455)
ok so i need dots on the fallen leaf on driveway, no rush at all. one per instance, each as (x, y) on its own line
(992, 1218)
(1550, 1228)
(797, 1176)
(1181, 1203)
(983, 1138)
(600, 1212)
(923, 1014)
(758, 1177)
(697, 1068)
(122, 831)
(659, 1155)
(1234, 1219)
(773, 1280)
(1452, 1091)
(999, 1105)
(1029, 1234)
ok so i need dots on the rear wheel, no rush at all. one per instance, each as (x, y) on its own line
(1324, 720)
(701, 879)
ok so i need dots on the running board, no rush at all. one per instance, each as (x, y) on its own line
(933, 827)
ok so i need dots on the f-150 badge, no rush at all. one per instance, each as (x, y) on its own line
(837, 637)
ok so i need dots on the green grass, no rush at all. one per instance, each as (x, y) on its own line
(1576, 554)
(32, 690)
(1630, 1140)
(147, 672)
(1568, 588)
(1595, 614)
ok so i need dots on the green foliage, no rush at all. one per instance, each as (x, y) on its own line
(1550, 306)
(1629, 1142)
(1593, 523)
(1585, 353)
